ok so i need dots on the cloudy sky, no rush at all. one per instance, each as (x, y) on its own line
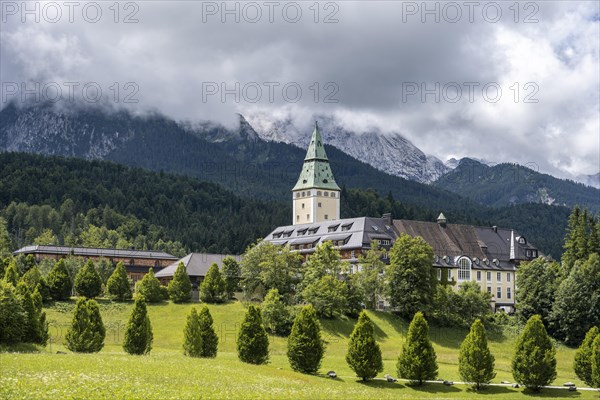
(500, 81)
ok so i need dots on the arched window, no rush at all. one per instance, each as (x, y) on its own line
(464, 269)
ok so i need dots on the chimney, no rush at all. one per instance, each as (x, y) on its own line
(388, 218)
(495, 228)
(441, 220)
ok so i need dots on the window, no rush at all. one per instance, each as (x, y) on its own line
(522, 240)
(303, 194)
(326, 216)
(385, 242)
(499, 276)
(297, 194)
(352, 254)
(498, 292)
(529, 253)
(464, 269)
(318, 192)
(489, 289)
(508, 293)
(307, 217)
(332, 228)
(488, 276)
(449, 274)
(297, 218)
(332, 194)
(346, 227)
(319, 204)
(508, 277)
(439, 274)
(303, 206)
(478, 276)
(312, 231)
(326, 194)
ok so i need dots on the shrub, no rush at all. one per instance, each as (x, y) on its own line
(534, 363)
(192, 338)
(596, 362)
(583, 357)
(87, 281)
(11, 274)
(164, 292)
(253, 342)
(475, 362)
(149, 288)
(212, 288)
(231, 273)
(210, 340)
(12, 315)
(364, 354)
(42, 326)
(59, 282)
(180, 287)
(138, 336)
(86, 334)
(118, 285)
(417, 362)
(276, 314)
(305, 346)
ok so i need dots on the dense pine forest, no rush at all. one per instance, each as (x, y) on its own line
(71, 201)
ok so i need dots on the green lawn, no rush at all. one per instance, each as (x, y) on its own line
(166, 373)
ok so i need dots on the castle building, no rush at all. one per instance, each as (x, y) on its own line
(487, 255)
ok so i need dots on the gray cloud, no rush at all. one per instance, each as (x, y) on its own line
(372, 55)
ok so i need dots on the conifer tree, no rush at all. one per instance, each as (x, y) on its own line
(417, 362)
(59, 282)
(305, 347)
(583, 357)
(42, 326)
(118, 286)
(149, 288)
(364, 354)
(87, 332)
(30, 333)
(11, 274)
(212, 288)
(253, 341)
(192, 337)
(138, 336)
(276, 314)
(596, 362)
(231, 273)
(475, 361)
(534, 362)
(210, 340)
(12, 315)
(180, 287)
(87, 281)
(34, 279)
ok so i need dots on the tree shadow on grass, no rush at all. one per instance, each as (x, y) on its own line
(19, 348)
(436, 388)
(400, 325)
(552, 393)
(381, 384)
(492, 390)
(343, 326)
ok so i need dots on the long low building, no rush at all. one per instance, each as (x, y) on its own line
(137, 262)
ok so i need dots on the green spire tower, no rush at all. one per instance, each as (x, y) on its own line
(316, 196)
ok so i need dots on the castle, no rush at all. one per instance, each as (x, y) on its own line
(486, 255)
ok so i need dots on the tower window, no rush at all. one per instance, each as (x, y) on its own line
(303, 194)
(319, 204)
(307, 216)
(326, 194)
(297, 218)
(319, 193)
(332, 194)
(302, 205)
(326, 216)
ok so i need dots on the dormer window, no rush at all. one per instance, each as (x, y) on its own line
(277, 235)
(347, 227)
(301, 232)
(332, 228)
(312, 231)
(522, 240)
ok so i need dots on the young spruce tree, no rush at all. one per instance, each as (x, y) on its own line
(12, 316)
(305, 346)
(59, 282)
(212, 288)
(583, 357)
(534, 363)
(418, 361)
(192, 337)
(87, 281)
(86, 334)
(210, 340)
(138, 336)
(253, 341)
(364, 354)
(11, 274)
(180, 287)
(596, 362)
(118, 286)
(149, 288)
(475, 361)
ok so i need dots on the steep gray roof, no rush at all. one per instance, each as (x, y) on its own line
(95, 252)
(196, 264)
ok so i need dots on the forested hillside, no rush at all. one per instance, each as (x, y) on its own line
(97, 203)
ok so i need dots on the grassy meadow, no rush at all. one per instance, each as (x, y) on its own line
(30, 372)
